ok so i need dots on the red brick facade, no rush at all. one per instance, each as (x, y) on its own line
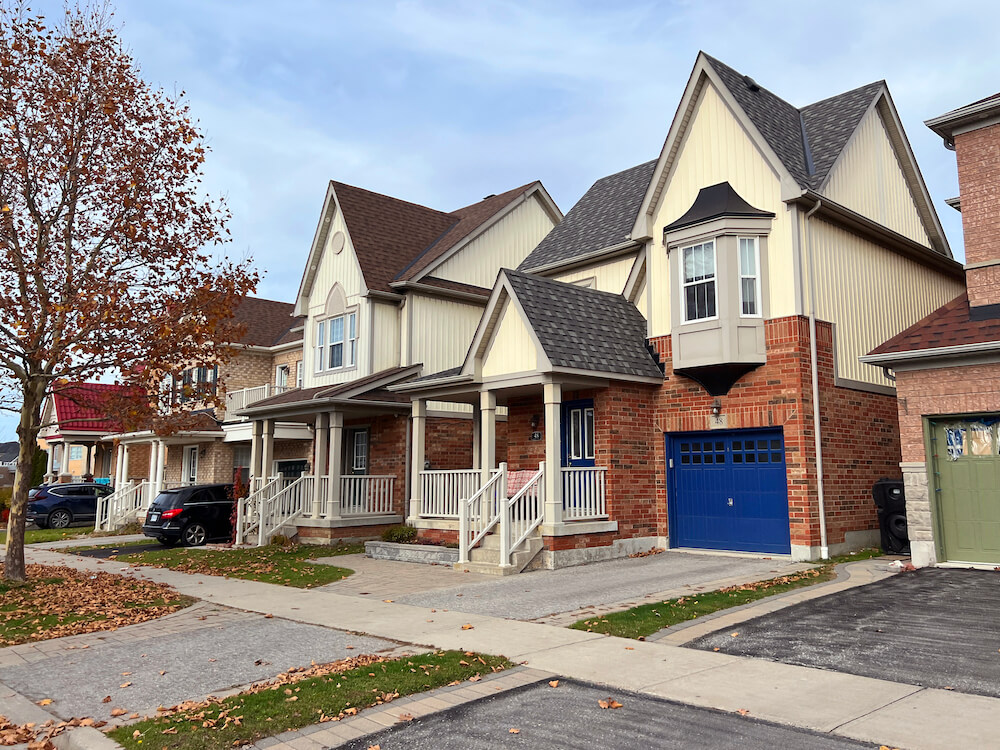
(978, 156)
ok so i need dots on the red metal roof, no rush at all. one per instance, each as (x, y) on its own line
(949, 325)
(82, 407)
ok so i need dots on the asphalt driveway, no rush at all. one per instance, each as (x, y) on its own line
(569, 717)
(933, 627)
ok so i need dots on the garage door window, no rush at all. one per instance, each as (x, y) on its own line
(707, 452)
(757, 451)
(971, 438)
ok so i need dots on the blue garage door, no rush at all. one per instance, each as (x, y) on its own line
(728, 491)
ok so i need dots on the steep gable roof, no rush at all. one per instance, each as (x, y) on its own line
(949, 325)
(603, 217)
(584, 329)
(831, 122)
(82, 407)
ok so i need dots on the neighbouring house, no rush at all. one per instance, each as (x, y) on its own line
(947, 370)
(75, 426)
(215, 444)
(391, 291)
(679, 356)
(8, 463)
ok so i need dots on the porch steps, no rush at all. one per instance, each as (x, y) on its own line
(485, 558)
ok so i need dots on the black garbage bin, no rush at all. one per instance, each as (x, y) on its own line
(890, 501)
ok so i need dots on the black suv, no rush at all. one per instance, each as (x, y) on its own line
(191, 515)
(59, 505)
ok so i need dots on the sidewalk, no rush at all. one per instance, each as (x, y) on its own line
(862, 708)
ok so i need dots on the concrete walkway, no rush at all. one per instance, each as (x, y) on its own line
(862, 708)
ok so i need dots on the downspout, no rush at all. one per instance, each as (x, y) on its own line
(824, 549)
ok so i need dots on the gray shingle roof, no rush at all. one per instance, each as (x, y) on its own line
(603, 217)
(583, 328)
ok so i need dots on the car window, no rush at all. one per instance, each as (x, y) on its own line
(167, 500)
(202, 496)
(59, 491)
(102, 491)
(33, 493)
(221, 494)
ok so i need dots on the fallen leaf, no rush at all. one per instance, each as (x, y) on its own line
(513, 730)
(743, 711)
(467, 626)
(106, 699)
(405, 717)
(475, 678)
(136, 734)
(268, 617)
(45, 702)
(162, 672)
(374, 747)
(125, 685)
(387, 601)
(118, 712)
(553, 683)
(630, 648)
(172, 730)
(609, 703)
(733, 635)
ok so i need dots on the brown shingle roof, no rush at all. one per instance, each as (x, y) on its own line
(266, 321)
(456, 286)
(322, 392)
(949, 325)
(396, 240)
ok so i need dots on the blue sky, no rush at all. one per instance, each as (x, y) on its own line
(442, 103)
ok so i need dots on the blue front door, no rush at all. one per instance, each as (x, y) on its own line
(728, 491)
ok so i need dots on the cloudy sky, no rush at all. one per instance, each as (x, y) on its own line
(442, 103)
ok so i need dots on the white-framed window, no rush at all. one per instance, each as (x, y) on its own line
(281, 376)
(76, 453)
(190, 467)
(750, 302)
(581, 434)
(698, 277)
(298, 374)
(359, 454)
(337, 342)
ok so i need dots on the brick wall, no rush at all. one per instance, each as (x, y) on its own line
(978, 156)
(293, 359)
(215, 463)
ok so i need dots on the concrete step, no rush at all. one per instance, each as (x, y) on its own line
(485, 558)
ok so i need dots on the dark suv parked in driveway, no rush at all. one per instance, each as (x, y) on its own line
(59, 505)
(191, 515)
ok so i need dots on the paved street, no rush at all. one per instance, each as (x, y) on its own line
(932, 627)
(568, 717)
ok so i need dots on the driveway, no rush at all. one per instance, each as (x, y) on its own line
(625, 582)
(569, 717)
(933, 627)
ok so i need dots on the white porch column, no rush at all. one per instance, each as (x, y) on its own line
(477, 438)
(417, 454)
(267, 448)
(488, 433)
(255, 449)
(118, 465)
(67, 452)
(50, 449)
(335, 461)
(154, 449)
(553, 453)
(88, 462)
(124, 464)
(320, 435)
(161, 460)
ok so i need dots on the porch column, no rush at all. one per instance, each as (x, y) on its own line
(267, 448)
(419, 414)
(124, 464)
(553, 453)
(67, 452)
(118, 465)
(50, 449)
(488, 433)
(335, 461)
(161, 460)
(320, 435)
(255, 449)
(477, 439)
(154, 449)
(88, 462)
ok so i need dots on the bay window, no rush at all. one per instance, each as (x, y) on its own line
(749, 278)
(699, 298)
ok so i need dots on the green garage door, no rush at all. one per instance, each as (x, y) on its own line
(966, 461)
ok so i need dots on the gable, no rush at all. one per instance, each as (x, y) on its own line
(336, 263)
(869, 178)
(511, 349)
(503, 244)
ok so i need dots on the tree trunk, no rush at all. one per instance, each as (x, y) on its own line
(27, 434)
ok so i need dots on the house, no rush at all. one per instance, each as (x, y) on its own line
(391, 291)
(76, 419)
(214, 444)
(679, 356)
(947, 370)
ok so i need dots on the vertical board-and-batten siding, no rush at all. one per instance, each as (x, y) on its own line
(511, 350)
(716, 148)
(609, 276)
(385, 336)
(337, 268)
(504, 244)
(870, 294)
(869, 179)
(441, 331)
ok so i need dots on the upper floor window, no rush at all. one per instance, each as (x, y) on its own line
(75, 452)
(699, 282)
(298, 374)
(281, 376)
(337, 342)
(749, 278)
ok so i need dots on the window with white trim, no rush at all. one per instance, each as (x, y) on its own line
(337, 342)
(298, 374)
(698, 274)
(359, 458)
(281, 376)
(749, 278)
(581, 434)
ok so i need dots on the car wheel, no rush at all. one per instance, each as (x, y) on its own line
(194, 535)
(59, 519)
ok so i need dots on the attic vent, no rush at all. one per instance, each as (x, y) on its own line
(491, 195)
(751, 83)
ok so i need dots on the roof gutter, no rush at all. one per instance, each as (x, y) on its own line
(933, 353)
(438, 291)
(568, 264)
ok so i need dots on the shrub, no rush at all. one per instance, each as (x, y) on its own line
(400, 534)
(5, 495)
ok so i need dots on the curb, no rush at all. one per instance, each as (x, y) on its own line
(21, 710)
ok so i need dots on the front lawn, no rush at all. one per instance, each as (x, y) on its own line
(34, 536)
(647, 619)
(284, 565)
(57, 601)
(299, 699)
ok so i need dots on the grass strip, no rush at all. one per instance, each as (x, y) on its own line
(293, 701)
(646, 619)
(34, 536)
(283, 565)
(119, 545)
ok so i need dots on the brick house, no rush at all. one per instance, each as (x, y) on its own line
(391, 290)
(679, 356)
(947, 370)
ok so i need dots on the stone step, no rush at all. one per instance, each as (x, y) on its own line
(486, 560)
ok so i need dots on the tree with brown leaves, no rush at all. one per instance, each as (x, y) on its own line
(108, 249)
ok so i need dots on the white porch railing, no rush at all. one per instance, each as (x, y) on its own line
(524, 513)
(123, 505)
(248, 509)
(241, 399)
(584, 495)
(441, 491)
(481, 512)
(284, 505)
(366, 494)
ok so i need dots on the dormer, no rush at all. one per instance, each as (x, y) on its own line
(718, 269)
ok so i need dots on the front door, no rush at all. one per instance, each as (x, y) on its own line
(190, 465)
